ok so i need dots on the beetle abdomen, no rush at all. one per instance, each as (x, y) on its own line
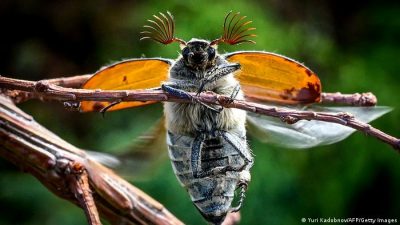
(211, 194)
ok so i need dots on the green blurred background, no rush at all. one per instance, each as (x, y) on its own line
(352, 45)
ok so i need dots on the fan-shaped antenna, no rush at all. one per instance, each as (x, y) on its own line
(235, 31)
(161, 29)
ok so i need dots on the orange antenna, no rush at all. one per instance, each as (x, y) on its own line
(161, 29)
(235, 31)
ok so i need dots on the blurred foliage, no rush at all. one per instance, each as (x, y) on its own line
(353, 47)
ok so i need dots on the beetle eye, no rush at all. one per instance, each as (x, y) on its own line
(185, 53)
(211, 53)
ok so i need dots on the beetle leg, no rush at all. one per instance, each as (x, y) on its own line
(245, 178)
(175, 91)
(217, 170)
(197, 147)
(217, 73)
(185, 95)
(104, 110)
(195, 157)
(223, 169)
(235, 92)
(243, 189)
(241, 148)
(221, 71)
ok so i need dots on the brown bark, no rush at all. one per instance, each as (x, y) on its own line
(71, 174)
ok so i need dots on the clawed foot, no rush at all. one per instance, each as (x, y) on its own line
(243, 188)
(104, 110)
(234, 93)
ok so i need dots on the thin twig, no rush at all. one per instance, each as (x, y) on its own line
(48, 91)
(18, 96)
(364, 99)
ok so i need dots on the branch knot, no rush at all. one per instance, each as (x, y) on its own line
(289, 119)
(42, 86)
(346, 116)
(76, 167)
(367, 99)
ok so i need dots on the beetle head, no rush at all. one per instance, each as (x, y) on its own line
(199, 54)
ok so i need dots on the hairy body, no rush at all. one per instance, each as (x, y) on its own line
(189, 119)
(207, 146)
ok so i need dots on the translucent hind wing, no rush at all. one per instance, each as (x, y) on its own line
(146, 152)
(306, 134)
(141, 157)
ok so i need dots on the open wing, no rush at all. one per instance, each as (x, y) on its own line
(307, 134)
(274, 78)
(146, 153)
(139, 158)
(126, 75)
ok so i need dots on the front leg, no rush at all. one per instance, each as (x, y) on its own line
(198, 146)
(239, 146)
(195, 156)
(217, 73)
(174, 89)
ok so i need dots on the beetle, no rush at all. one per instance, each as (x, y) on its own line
(207, 144)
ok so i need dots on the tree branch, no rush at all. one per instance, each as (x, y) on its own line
(19, 95)
(71, 174)
(46, 89)
(79, 185)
